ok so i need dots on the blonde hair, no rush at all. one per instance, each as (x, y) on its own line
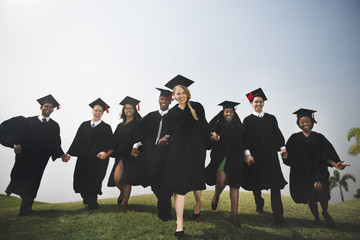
(193, 113)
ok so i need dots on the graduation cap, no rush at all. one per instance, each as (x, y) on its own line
(256, 93)
(131, 101)
(101, 103)
(179, 80)
(49, 99)
(165, 93)
(228, 104)
(302, 112)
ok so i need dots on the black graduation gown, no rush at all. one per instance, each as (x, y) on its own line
(264, 139)
(90, 170)
(39, 141)
(307, 160)
(231, 145)
(154, 156)
(7, 130)
(122, 143)
(187, 148)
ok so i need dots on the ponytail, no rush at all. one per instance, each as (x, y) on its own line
(193, 113)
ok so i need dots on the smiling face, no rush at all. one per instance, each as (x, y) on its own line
(257, 104)
(228, 114)
(305, 124)
(129, 110)
(97, 113)
(46, 109)
(180, 95)
(164, 103)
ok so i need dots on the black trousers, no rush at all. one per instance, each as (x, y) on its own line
(276, 203)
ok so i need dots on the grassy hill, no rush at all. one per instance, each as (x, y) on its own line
(74, 221)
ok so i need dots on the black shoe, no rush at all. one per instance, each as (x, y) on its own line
(180, 233)
(317, 221)
(27, 212)
(329, 219)
(214, 205)
(92, 204)
(164, 218)
(195, 216)
(260, 210)
(85, 201)
(119, 201)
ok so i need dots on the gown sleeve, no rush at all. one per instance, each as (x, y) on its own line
(75, 147)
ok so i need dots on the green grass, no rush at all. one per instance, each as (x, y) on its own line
(74, 221)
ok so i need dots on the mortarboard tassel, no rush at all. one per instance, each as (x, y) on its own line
(250, 97)
(107, 109)
(313, 117)
(58, 107)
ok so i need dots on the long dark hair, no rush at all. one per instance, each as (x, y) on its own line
(219, 118)
(136, 114)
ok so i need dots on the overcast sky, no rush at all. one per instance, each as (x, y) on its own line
(304, 54)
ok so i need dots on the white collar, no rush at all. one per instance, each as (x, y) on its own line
(41, 118)
(259, 114)
(162, 113)
(96, 123)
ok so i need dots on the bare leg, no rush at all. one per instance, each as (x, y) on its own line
(234, 198)
(179, 201)
(127, 192)
(197, 205)
(117, 176)
(219, 187)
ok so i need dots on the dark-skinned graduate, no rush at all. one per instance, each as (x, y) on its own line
(309, 154)
(263, 141)
(35, 140)
(125, 172)
(154, 154)
(92, 137)
(227, 157)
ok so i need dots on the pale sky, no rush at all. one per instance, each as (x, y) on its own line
(304, 54)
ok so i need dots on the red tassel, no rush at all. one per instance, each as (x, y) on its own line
(313, 117)
(171, 97)
(250, 97)
(58, 107)
(107, 109)
(138, 106)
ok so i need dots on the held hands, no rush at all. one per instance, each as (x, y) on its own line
(249, 160)
(214, 136)
(339, 165)
(102, 155)
(135, 152)
(284, 153)
(65, 158)
(163, 140)
(17, 149)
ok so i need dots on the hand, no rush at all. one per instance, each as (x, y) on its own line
(135, 152)
(17, 149)
(249, 160)
(318, 186)
(340, 165)
(102, 155)
(163, 140)
(65, 158)
(215, 137)
(284, 153)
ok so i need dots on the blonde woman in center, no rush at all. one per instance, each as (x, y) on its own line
(186, 130)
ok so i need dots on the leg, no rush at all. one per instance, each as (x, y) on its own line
(127, 192)
(179, 201)
(117, 176)
(164, 202)
(277, 206)
(324, 205)
(314, 210)
(259, 201)
(234, 198)
(219, 187)
(26, 206)
(197, 205)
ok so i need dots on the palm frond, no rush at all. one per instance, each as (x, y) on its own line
(354, 149)
(354, 132)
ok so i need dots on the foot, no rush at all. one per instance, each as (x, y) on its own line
(214, 202)
(279, 221)
(179, 233)
(124, 208)
(195, 216)
(329, 219)
(85, 201)
(164, 218)
(317, 221)
(27, 212)
(259, 210)
(234, 222)
(120, 200)
(93, 205)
